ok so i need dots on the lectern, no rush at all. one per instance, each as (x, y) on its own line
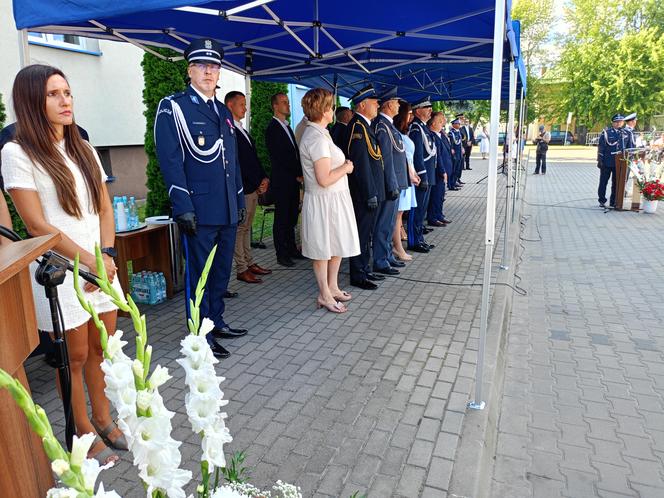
(25, 471)
(621, 179)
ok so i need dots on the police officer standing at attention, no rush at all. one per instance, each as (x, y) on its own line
(424, 160)
(366, 182)
(394, 160)
(457, 152)
(628, 131)
(610, 144)
(197, 152)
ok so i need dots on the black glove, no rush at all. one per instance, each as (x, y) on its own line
(372, 203)
(241, 215)
(423, 186)
(187, 222)
(599, 164)
(393, 195)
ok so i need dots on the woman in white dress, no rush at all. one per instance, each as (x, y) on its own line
(484, 142)
(329, 230)
(57, 184)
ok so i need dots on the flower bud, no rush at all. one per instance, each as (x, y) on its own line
(59, 466)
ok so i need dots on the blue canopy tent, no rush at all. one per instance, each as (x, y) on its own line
(446, 51)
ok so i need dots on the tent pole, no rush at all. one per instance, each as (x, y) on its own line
(519, 171)
(247, 94)
(504, 264)
(496, 76)
(316, 27)
(23, 48)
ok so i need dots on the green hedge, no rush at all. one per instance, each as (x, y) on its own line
(162, 78)
(261, 114)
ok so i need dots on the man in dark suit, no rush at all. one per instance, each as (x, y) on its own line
(285, 180)
(366, 182)
(467, 139)
(254, 181)
(197, 151)
(435, 215)
(338, 129)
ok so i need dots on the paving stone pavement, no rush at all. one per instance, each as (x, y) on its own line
(583, 408)
(371, 401)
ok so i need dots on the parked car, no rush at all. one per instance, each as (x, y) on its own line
(558, 136)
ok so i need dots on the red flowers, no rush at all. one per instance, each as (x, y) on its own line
(653, 190)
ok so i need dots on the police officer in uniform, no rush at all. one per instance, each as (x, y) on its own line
(435, 215)
(197, 152)
(366, 182)
(396, 167)
(610, 144)
(456, 141)
(424, 160)
(628, 131)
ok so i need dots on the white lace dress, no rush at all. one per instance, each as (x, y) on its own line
(19, 172)
(328, 219)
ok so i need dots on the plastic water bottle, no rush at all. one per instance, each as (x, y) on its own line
(121, 217)
(133, 213)
(162, 285)
(115, 211)
(125, 203)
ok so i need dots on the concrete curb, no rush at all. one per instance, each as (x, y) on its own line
(473, 463)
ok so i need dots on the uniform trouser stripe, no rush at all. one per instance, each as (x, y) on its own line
(187, 283)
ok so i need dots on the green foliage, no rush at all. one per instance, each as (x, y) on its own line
(234, 470)
(162, 78)
(613, 59)
(261, 114)
(17, 222)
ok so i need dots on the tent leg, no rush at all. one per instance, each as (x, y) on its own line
(498, 38)
(23, 48)
(504, 264)
(247, 93)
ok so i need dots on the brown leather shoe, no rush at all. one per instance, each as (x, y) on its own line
(259, 270)
(250, 278)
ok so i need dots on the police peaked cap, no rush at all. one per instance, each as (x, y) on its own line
(617, 117)
(388, 95)
(460, 115)
(630, 117)
(204, 50)
(456, 121)
(368, 92)
(421, 104)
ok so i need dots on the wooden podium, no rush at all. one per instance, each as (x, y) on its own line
(621, 180)
(25, 471)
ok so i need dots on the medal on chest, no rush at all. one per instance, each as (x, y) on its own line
(201, 140)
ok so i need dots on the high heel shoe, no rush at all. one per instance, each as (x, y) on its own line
(337, 307)
(403, 256)
(343, 297)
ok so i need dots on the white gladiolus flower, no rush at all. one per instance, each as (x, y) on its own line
(206, 326)
(197, 351)
(162, 472)
(159, 377)
(137, 369)
(213, 442)
(60, 466)
(201, 412)
(115, 344)
(227, 492)
(90, 470)
(80, 447)
(204, 384)
(143, 400)
(62, 493)
(117, 375)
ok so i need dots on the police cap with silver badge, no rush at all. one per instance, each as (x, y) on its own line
(368, 92)
(456, 121)
(630, 117)
(421, 104)
(388, 95)
(204, 50)
(617, 117)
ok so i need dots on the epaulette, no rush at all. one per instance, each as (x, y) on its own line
(176, 95)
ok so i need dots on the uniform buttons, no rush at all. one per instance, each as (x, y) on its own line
(228, 175)
(226, 162)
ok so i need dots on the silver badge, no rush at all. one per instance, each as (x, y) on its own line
(208, 44)
(201, 140)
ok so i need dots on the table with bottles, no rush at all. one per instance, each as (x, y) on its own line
(143, 255)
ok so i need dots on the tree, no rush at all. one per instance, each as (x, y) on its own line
(17, 222)
(613, 62)
(161, 78)
(261, 114)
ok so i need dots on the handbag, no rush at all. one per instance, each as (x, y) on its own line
(267, 197)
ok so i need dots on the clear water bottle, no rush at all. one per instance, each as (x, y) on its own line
(133, 213)
(125, 204)
(162, 285)
(115, 211)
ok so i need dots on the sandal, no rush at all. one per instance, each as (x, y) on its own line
(120, 442)
(337, 307)
(344, 297)
(105, 456)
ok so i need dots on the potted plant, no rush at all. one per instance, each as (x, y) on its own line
(652, 191)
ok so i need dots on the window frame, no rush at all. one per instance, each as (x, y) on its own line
(85, 46)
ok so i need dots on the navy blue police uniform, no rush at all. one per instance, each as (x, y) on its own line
(197, 151)
(610, 144)
(628, 132)
(435, 214)
(367, 187)
(394, 159)
(456, 141)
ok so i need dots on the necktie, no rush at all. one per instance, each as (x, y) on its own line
(210, 104)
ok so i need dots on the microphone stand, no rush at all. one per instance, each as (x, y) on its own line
(51, 273)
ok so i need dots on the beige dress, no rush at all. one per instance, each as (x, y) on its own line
(328, 220)
(20, 172)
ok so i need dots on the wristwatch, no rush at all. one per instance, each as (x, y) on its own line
(111, 251)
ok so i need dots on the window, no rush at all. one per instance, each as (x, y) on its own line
(66, 42)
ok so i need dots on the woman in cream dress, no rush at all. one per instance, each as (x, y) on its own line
(329, 230)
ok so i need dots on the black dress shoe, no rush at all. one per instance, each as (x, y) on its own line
(419, 248)
(230, 295)
(460, 182)
(375, 277)
(387, 271)
(446, 221)
(469, 169)
(430, 246)
(285, 261)
(218, 350)
(427, 230)
(397, 264)
(363, 284)
(297, 255)
(436, 223)
(227, 332)
(454, 188)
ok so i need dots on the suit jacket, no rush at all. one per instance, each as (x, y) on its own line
(467, 137)
(393, 152)
(198, 158)
(424, 161)
(338, 133)
(284, 156)
(252, 171)
(444, 155)
(367, 179)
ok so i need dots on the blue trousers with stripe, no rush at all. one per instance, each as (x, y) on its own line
(416, 217)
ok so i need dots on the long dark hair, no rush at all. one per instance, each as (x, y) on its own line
(37, 136)
(401, 119)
